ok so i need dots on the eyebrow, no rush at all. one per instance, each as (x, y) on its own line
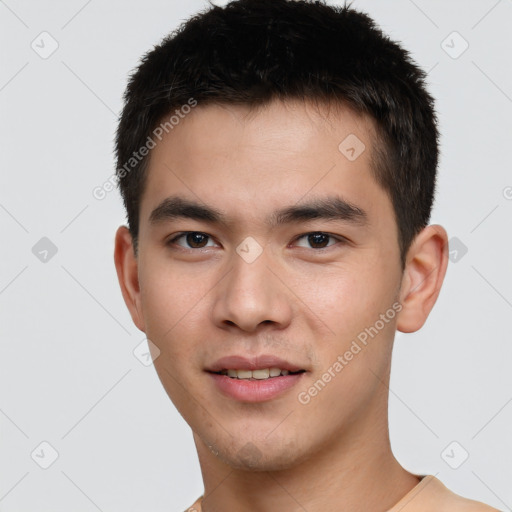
(328, 208)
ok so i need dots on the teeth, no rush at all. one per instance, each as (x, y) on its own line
(244, 374)
(262, 374)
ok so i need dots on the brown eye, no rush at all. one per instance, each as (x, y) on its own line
(193, 239)
(319, 240)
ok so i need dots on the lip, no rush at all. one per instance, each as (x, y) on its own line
(245, 390)
(238, 362)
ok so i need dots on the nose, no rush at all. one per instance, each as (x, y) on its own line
(252, 294)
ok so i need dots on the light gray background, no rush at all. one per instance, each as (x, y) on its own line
(68, 375)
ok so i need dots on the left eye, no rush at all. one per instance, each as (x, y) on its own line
(318, 240)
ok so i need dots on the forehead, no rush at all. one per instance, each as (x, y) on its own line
(230, 156)
(291, 126)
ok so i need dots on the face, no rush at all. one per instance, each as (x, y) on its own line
(289, 259)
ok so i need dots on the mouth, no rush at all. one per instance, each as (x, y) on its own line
(255, 379)
(259, 374)
(258, 365)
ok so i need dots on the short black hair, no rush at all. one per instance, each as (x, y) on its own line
(254, 51)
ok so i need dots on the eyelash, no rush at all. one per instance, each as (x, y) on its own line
(340, 239)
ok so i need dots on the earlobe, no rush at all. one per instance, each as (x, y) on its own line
(127, 274)
(426, 264)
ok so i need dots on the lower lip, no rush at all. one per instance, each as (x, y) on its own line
(255, 390)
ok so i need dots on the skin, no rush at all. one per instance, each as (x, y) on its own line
(294, 301)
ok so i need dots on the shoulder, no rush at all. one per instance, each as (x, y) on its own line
(454, 501)
(431, 494)
(196, 507)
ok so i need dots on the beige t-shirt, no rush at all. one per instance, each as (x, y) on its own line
(430, 495)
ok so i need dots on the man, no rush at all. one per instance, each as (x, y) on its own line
(277, 160)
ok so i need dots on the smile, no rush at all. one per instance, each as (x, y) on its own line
(263, 374)
(255, 385)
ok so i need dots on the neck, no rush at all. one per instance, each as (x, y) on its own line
(356, 468)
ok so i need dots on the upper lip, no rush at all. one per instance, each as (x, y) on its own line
(239, 362)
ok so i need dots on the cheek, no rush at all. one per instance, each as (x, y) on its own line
(352, 360)
(174, 312)
(350, 301)
(172, 303)
(347, 298)
(168, 290)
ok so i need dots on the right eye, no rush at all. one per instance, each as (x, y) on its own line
(194, 239)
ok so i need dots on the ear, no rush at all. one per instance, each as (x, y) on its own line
(127, 274)
(425, 268)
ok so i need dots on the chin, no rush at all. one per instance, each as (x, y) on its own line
(255, 456)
